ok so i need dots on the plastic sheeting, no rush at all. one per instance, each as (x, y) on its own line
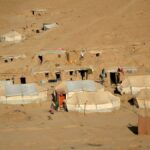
(83, 85)
(133, 84)
(6, 82)
(20, 90)
(11, 36)
(44, 52)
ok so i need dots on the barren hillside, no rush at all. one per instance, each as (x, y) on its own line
(120, 27)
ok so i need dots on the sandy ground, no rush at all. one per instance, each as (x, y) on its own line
(32, 127)
(120, 28)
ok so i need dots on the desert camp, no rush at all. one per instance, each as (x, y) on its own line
(134, 84)
(74, 75)
(12, 36)
(143, 98)
(86, 96)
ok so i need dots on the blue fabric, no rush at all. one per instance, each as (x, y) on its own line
(21, 90)
(83, 85)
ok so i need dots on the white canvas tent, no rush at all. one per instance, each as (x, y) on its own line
(47, 26)
(99, 101)
(12, 36)
(133, 84)
(77, 86)
(143, 99)
(86, 95)
(22, 94)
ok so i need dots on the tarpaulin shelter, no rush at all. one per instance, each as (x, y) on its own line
(58, 55)
(22, 94)
(86, 95)
(76, 86)
(12, 36)
(143, 99)
(133, 84)
(47, 26)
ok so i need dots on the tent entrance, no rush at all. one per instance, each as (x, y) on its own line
(58, 76)
(62, 98)
(23, 80)
(59, 100)
(40, 59)
(71, 73)
(114, 77)
(84, 74)
(47, 75)
(97, 54)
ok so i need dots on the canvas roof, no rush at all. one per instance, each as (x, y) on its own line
(95, 51)
(5, 82)
(68, 68)
(21, 89)
(44, 52)
(137, 81)
(13, 56)
(40, 10)
(144, 94)
(81, 85)
(11, 34)
(125, 69)
(98, 101)
(44, 68)
(98, 97)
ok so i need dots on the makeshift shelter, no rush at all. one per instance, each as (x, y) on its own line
(143, 99)
(74, 72)
(12, 36)
(133, 84)
(39, 12)
(10, 58)
(5, 82)
(47, 26)
(86, 95)
(116, 74)
(57, 55)
(97, 53)
(22, 94)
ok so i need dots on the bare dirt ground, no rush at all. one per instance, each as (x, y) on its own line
(118, 27)
(32, 127)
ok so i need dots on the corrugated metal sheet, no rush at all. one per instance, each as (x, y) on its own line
(84, 85)
(21, 90)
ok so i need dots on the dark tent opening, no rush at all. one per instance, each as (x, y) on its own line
(58, 76)
(23, 80)
(114, 77)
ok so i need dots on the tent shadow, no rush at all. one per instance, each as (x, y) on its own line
(133, 129)
(116, 91)
(131, 101)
